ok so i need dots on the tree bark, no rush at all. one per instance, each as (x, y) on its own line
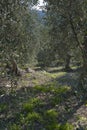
(67, 63)
(14, 67)
(83, 77)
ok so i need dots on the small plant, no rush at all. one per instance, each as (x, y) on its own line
(51, 114)
(50, 119)
(32, 117)
(66, 126)
(31, 104)
(14, 127)
(28, 107)
(61, 90)
(53, 126)
(40, 88)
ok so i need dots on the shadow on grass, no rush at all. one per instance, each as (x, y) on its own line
(63, 70)
(69, 79)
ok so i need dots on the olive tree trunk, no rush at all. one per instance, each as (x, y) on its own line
(15, 69)
(83, 77)
(67, 63)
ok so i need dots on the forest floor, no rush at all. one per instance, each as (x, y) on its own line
(43, 100)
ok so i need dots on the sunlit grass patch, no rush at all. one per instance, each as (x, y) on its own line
(51, 114)
(52, 88)
(31, 120)
(81, 118)
(41, 88)
(32, 105)
(52, 126)
(50, 119)
(28, 107)
(57, 75)
(33, 116)
(14, 127)
(62, 89)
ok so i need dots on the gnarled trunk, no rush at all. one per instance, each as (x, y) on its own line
(13, 68)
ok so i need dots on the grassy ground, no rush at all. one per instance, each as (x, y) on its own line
(42, 100)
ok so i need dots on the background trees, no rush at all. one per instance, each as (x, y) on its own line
(67, 21)
(17, 34)
(61, 36)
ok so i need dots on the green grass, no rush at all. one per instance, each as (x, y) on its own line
(33, 117)
(37, 105)
(66, 126)
(35, 110)
(14, 127)
(55, 75)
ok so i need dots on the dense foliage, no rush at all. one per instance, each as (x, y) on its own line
(18, 26)
(68, 31)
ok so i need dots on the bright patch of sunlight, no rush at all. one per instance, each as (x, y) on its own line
(40, 5)
(57, 75)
